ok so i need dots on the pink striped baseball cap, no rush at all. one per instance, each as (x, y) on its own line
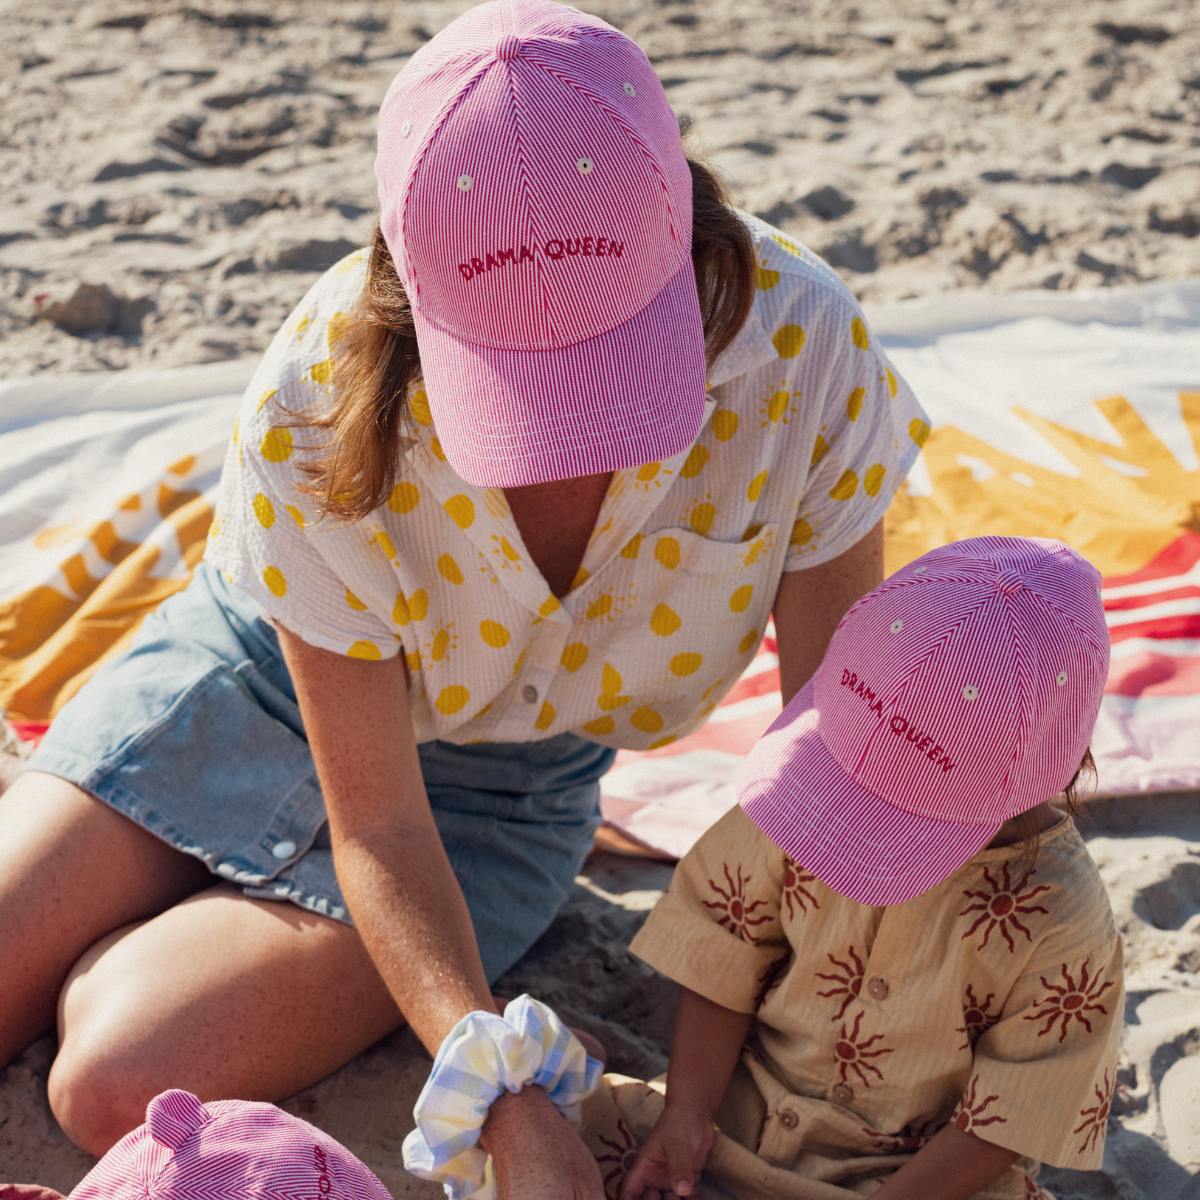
(537, 204)
(226, 1150)
(960, 692)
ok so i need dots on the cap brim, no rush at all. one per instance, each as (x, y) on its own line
(806, 802)
(631, 395)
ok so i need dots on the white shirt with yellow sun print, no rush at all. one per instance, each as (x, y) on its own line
(994, 1001)
(807, 432)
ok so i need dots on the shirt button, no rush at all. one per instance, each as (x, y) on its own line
(284, 849)
(877, 989)
(842, 1094)
(788, 1119)
(529, 693)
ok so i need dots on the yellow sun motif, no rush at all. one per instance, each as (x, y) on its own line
(608, 607)
(778, 406)
(760, 545)
(303, 323)
(506, 554)
(651, 476)
(443, 643)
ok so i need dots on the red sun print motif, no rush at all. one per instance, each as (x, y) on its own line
(796, 895)
(912, 1137)
(1002, 906)
(853, 1054)
(973, 1112)
(977, 1018)
(1068, 1001)
(737, 914)
(849, 980)
(617, 1160)
(1095, 1118)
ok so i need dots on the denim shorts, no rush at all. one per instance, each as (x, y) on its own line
(194, 733)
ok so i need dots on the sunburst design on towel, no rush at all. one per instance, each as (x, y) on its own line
(1128, 500)
(89, 599)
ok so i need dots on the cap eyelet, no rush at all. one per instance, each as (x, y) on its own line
(628, 88)
(465, 183)
(584, 166)
(406, 129)
(1061, 678)
(897, 626)
(970, 692)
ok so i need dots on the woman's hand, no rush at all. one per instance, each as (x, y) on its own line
(672, 1157)
(537, 1155)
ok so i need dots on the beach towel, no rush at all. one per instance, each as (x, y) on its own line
(1073, 416)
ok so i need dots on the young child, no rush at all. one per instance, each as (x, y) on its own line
(221, 1150)
(900, 975)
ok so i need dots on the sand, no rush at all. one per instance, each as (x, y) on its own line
(177, 173)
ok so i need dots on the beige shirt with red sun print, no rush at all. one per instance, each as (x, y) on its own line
(994, 1000)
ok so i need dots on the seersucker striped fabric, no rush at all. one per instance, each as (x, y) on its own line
(960, 692)
(483, 1056)
(537, 203)
(226, 1150)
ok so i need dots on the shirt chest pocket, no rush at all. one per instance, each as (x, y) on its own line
(713, 596)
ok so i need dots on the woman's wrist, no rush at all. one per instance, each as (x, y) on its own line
(492, 1078)
(511, 1111)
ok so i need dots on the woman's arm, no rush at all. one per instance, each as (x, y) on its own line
(405, 900)
(951, 1166)
(809, 604)
(704, 1049)
(390, 862)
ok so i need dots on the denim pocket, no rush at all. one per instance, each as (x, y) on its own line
(240, 782)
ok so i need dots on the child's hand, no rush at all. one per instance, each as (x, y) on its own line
(672, 1157)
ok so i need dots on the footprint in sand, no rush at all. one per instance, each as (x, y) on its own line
(1173, 902)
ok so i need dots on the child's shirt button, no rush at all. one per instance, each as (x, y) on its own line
(842, 1094)
(878, 989)
(788, 1119)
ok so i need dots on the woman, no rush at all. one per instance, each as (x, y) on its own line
(480, 525)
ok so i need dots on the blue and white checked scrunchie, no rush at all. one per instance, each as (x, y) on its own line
(483, 1056)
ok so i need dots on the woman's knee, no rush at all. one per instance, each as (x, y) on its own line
(96, 1094)
(101, 1080)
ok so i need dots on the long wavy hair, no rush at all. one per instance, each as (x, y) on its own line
(354, 468)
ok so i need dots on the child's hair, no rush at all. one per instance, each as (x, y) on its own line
(1026, 827)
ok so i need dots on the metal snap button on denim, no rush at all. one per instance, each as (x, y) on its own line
(529, 693)
(284, 849)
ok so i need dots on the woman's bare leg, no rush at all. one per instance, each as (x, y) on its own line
(71, 871)
(225, 996)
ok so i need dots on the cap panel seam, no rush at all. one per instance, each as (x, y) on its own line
(447, 112)
(618, 119)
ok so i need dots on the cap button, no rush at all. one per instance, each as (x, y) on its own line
(508, 47)
(1008, 582)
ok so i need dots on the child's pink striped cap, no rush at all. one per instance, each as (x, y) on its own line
(537, 204)
(960, 692)
(226, 1150)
